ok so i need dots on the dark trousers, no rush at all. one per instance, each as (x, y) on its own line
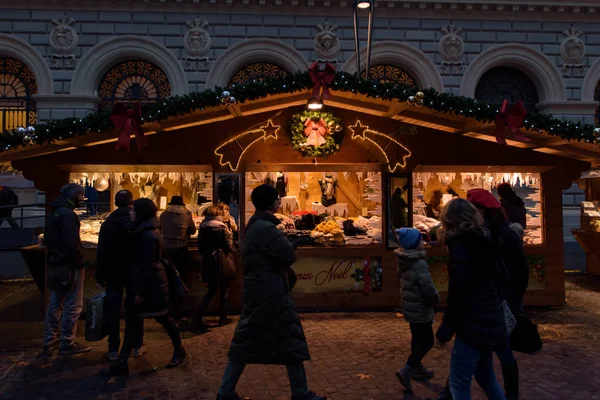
(114, 302)
(220, 286)
(421, 342)
(134, 333)
(183, 262)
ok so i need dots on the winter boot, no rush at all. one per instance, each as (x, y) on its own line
(310, 396)
(421, 373)
(404, 375)
(511, 381)
(179, 357)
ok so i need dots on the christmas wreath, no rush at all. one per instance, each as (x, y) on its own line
(316, 133)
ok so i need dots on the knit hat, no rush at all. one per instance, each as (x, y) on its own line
(145, 209)
(264, 196)
(483, 199)
(72, 190)
(505, 190)
(409, 238)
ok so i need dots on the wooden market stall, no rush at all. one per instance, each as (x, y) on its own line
(340, 210)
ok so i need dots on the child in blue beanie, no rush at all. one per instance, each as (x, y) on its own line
(419, 295)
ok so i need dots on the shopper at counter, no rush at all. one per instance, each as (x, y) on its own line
(177, 226)
(112, 269)
(213, 235)
(65, 274)
(512, 204)
(269, 330)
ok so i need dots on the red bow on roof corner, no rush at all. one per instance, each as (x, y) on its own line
(128, 122)
(321, 79)
(512, 118)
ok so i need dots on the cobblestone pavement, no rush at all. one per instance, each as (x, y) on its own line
(354, 356)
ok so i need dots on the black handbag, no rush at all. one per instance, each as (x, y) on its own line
(525, 338)
(227, 268)
(177, 287)
(61, 278)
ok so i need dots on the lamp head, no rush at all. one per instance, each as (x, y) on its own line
(314, 103)
(364, 4)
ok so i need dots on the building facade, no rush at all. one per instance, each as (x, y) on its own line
(67, 60)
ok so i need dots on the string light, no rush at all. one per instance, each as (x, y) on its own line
(360, 131)
(268, 131)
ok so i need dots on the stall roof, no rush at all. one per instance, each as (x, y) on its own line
(393, 109)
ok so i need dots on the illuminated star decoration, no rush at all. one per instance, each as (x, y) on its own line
(230, 153)
(384, 143)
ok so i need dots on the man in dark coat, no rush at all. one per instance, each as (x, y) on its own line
(8, 198)
(269, 330)
(64, 263)
(513, 205)
(112, 268)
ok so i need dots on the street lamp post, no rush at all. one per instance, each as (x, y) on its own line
(363, 4)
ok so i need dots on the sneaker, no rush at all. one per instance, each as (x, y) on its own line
(403, 376)
(120, 368)
(310, 396)
(422, 373)
(138, 352)
(49, 348)
(112, 355)
(75, 348)
(179, 357)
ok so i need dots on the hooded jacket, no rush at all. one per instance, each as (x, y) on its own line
(269, 330)
(419, 294)
(509, 238)
(474, 312)
(515, 210)
(177, 226)
(149, 277)
(113, 253)
(213, 235)
(61, 236)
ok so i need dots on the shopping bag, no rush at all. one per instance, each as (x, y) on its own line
(525, 338)
(177, 288)
(95, 318)
(226, 264)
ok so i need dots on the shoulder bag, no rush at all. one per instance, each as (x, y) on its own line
(227, 268)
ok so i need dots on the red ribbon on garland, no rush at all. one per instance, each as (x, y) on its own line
(512, 118)
(321, 79)
(128, 122)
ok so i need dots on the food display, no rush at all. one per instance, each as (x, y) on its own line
(89, 230)
(590, 216)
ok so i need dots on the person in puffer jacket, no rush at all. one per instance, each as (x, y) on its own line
(419, 295)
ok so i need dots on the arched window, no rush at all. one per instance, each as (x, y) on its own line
(133, 82)
(17, 85)
(504, 83)
(387, 73)
(257, 72)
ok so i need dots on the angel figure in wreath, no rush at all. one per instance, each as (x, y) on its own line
(315, 132)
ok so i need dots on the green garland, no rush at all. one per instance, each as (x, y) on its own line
(99, 122)
(332, 139)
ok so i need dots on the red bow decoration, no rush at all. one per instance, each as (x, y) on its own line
(315, 132)
(321, 79)
(128, 122)
(512, 118)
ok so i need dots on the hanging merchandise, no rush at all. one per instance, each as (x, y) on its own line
(101, 184)
(328, 186)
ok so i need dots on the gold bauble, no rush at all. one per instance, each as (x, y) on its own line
(420, 102)
(420, 95)
(331, 124)
(101, 184)
(338, 128)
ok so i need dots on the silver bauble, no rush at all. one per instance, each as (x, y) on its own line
(101, 184)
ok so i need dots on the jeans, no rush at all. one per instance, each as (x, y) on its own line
(114, 302)
(505, 355)
(421, 342)
(221, 286)
(64, 309)
(467, 361)
(233, 372)
(134, 331)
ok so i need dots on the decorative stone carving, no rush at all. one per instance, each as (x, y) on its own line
(572, 51)
(197, 40)
(63, 38)
(451, 48)
(326, 43)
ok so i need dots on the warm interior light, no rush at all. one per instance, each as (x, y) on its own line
(314, 103)
(363, 4)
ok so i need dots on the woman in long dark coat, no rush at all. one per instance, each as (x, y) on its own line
(150, 285)
(269, 330)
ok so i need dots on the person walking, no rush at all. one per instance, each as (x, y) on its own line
(513, 205)
(151, 288)
(419, 296)
(112, 269)
(65, 274)
(214, 235)
(8, 198)
(177, 226)
(474, 310)
(269, 330)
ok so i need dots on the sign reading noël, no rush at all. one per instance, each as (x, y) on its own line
(337, 275)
